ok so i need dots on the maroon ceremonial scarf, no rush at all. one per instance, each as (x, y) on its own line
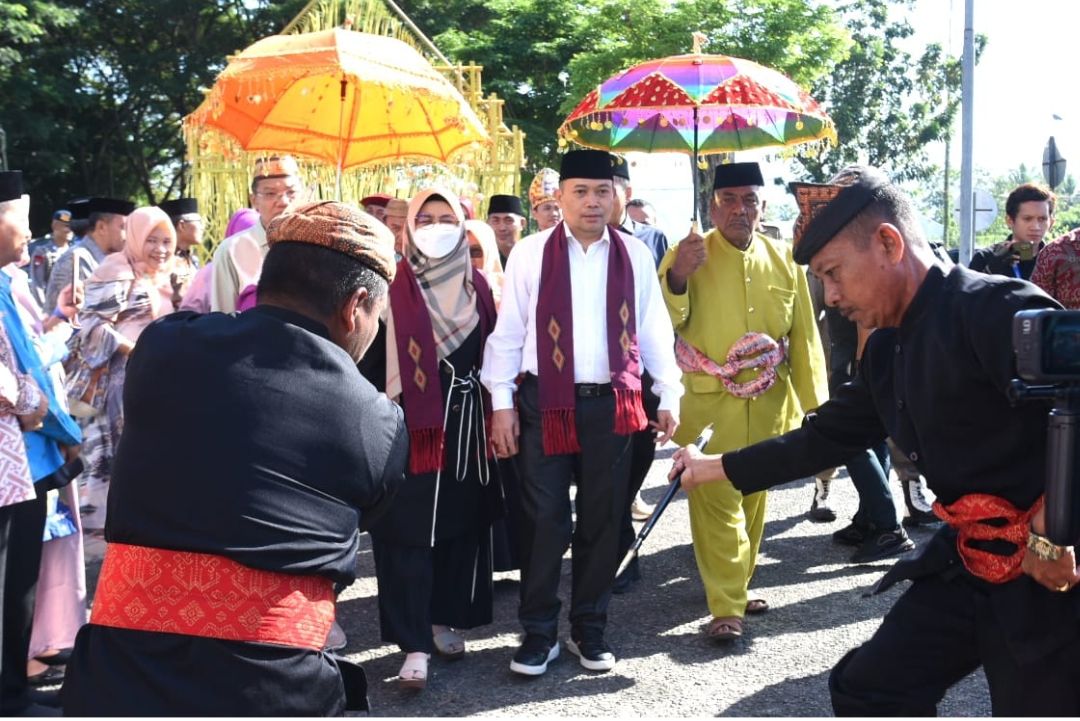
(555, 343)
(421, 389)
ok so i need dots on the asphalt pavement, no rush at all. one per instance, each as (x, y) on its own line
(667, 668)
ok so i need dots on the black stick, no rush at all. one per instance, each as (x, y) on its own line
(701, 442)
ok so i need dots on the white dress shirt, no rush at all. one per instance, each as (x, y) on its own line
(511, 347)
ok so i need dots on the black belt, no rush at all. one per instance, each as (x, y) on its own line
(585, 390)
(592, 390)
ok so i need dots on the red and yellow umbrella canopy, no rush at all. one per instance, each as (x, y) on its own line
(734, 104)
(344, 97)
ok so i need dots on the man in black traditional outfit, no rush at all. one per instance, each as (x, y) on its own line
(581, 318)
(933, 377)
(216, 595)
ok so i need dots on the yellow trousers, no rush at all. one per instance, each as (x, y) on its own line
(726, 527)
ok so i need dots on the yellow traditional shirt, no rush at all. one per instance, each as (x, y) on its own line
(735, 292)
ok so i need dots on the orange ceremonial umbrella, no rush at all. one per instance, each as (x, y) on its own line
(344, 97)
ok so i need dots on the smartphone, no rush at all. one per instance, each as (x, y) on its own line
(1025, 250)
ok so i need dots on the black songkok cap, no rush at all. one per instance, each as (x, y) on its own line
(620, 168)
(80, 208)
(110, 205)
(737, 175)
(11, 187)
(505, 204)
(824, 209)
(180, 206)
(587, 164)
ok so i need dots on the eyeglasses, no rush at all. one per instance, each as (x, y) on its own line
(288, 194)
(475, 251)
(425, 219)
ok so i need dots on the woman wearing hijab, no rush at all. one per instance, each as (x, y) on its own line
(432, 549)
(126, 292)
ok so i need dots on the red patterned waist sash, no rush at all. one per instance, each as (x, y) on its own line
(968, 515)
(202, 594)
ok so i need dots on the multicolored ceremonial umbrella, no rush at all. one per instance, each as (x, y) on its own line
(696, 104)
(344, 97)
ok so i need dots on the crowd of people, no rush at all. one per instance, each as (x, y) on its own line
(511, 392)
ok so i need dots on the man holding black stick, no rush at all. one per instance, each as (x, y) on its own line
(933, 377)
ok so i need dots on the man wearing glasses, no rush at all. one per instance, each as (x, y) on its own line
(238, 260)
(752, 365)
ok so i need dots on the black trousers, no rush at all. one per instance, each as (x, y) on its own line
(642, 454)
(602, 472)
(938, 632)
(21, 529)
(448, 585)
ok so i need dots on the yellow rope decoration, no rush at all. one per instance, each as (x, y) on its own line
(220, 171)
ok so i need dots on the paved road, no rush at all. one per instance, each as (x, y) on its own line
(666, 667)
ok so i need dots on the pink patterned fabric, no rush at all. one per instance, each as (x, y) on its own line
(753, 350)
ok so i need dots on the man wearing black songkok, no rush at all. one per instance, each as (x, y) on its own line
(934, 377)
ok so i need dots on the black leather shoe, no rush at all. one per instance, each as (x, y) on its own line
(626, 580)
(534, 655)
(592, 651)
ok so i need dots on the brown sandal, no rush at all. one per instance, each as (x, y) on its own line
(727, 628)
(756, 605)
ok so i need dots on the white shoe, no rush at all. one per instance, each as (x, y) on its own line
(640, 510)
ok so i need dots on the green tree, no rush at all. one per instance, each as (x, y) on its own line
(23, 24)
(543, 56)
(888, 105)
(97, 109)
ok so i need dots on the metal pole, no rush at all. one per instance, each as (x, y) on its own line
(967, 217)
(945, 217)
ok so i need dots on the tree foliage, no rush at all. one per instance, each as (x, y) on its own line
(94, 90)
(543, 56)
(96, 109)
(22, 24)
(888, 105)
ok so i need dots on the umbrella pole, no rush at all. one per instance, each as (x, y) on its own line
(694, 173)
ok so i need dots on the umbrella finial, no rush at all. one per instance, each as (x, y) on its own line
(700, 39)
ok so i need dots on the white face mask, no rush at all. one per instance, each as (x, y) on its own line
(436, 241)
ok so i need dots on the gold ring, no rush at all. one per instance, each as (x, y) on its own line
(1062, 588)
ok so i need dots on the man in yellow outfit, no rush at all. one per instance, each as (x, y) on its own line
(752, 366)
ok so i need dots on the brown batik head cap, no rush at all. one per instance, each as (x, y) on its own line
(341, 227)
(825, 208)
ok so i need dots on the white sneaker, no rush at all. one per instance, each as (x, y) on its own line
(640, 510)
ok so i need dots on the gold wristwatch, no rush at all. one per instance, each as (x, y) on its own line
(1043, 547)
